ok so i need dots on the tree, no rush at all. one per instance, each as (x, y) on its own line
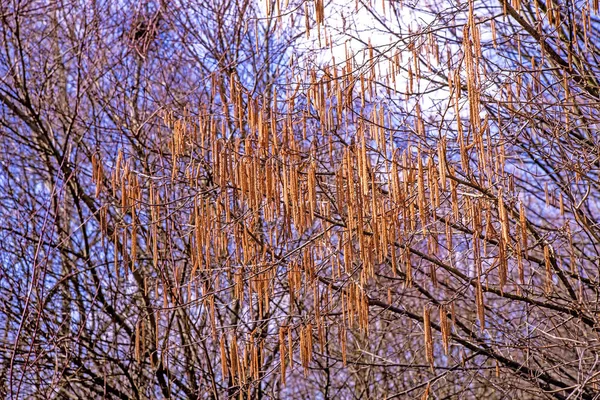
(200, 202)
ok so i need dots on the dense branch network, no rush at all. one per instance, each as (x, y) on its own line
(217, 199)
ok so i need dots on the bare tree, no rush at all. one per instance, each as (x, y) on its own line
(88, 91)
(198, 201)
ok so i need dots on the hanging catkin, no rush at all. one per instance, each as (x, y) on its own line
(428, 336)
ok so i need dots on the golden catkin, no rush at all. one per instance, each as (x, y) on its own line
(428, 336)
(445, 329)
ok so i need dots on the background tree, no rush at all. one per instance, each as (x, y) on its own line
(85, 87)
(257, 200)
